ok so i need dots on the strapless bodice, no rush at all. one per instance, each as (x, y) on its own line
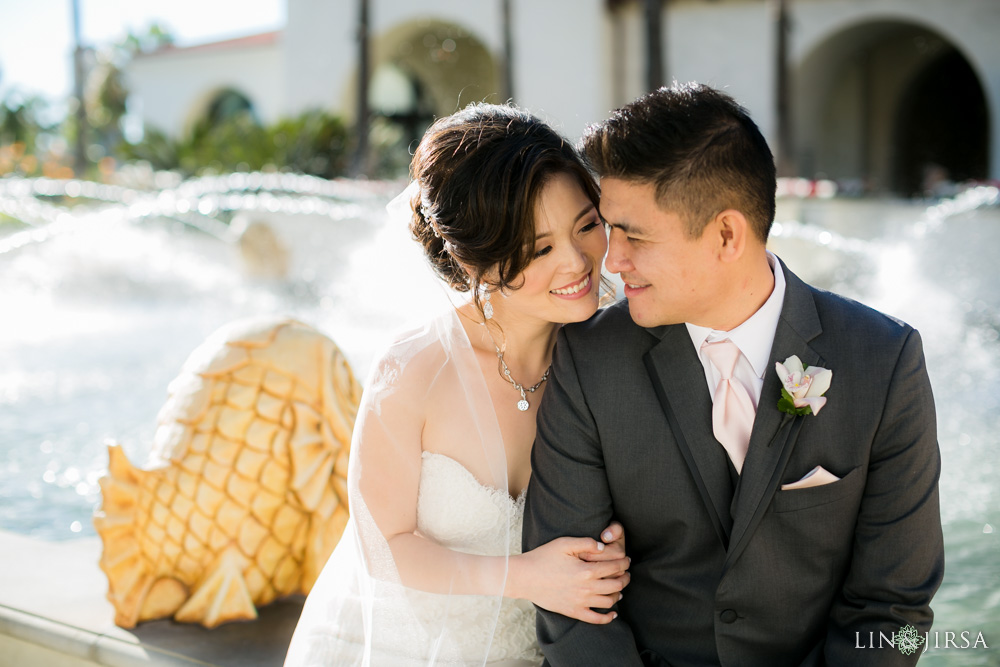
(456, 510)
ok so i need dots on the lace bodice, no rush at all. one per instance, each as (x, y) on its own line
(457, 511)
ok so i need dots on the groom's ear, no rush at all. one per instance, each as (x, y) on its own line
(732, 230)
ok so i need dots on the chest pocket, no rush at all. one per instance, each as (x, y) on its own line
(795, 500)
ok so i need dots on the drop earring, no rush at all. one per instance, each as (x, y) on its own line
(487, 306)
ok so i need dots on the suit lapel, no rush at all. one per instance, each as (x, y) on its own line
(774, 433)
(679, 381)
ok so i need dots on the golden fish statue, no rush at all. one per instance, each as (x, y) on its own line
(246, 493)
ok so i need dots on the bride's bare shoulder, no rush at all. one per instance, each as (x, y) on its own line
(411, 361)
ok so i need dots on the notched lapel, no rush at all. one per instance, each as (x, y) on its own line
(773, 438)
(679, 380)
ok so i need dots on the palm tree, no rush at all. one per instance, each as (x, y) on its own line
(654, 43)
(782, 94)
(359, 165)
(105, 98)
(508, 50)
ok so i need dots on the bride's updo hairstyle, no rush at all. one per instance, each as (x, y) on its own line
(479, 173)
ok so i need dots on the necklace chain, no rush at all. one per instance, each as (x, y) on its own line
(522, 405)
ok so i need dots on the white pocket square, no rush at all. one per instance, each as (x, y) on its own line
(818, 476)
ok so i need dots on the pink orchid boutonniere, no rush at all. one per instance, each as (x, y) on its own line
(802, 388)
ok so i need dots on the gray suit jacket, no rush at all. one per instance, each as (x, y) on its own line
(745, 574)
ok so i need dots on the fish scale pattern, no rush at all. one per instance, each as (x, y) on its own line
(245, 496)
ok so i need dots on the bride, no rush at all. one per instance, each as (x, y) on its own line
(430, 569)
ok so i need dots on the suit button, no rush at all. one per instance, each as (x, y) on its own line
(727, 616)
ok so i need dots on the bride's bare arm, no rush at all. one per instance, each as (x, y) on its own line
(567, 575)
(555, 576)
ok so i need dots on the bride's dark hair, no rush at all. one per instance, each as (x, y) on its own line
(479, 173)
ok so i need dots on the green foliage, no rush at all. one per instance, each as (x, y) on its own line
(20, 121)
(156, 148)
(153, 39)
(787, 404)
(105, 100)
(313, 143)
(390, 148)
(105, 91)
(29, 146)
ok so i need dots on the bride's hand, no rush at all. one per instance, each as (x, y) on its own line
(614, 538)
(561, 576)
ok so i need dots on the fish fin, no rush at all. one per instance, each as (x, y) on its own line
(222, 595)
(128, 571)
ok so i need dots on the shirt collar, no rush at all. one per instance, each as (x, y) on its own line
(755, 336)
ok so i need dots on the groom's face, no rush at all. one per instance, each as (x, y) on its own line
(669, 276)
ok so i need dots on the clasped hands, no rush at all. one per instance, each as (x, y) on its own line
(573, 576)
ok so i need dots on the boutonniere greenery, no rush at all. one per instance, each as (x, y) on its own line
(802, 388)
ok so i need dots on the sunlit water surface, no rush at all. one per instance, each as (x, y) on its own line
(102, 301)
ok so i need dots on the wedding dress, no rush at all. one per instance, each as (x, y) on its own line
(359, 612)
(459, 512)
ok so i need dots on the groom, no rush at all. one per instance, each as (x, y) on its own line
(757, 537)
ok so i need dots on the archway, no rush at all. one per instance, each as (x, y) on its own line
(942, 132)
(881, 105)
(217, 106)
(228, 104)
(422, 70)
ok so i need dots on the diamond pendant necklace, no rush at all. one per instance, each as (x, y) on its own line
(522, 405)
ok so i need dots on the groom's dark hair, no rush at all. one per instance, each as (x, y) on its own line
(697, 146)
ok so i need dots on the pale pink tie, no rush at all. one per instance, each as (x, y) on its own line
(733, 412)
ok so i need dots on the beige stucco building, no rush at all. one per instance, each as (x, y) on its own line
(881, 90)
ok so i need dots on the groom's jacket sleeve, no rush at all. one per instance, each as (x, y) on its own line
(569, 496)
(898, 551)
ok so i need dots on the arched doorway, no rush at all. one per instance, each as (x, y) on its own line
(422, 70)
(942, 132)
(887, 106)
(228, 104)
(218, 106)
(402, 109)
(401, 98)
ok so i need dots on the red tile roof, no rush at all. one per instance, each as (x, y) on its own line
(248, 41)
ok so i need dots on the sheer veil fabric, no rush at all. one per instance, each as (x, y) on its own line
(359, 611)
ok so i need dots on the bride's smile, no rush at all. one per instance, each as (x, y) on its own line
(560, 283)
(574, 290)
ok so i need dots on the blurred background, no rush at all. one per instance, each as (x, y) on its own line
(882, 97)
(166, 168)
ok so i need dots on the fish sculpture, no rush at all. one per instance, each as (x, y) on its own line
(245, 495)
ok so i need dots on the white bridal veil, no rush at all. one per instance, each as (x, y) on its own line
(361, 610)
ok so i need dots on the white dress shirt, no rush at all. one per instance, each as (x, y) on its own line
(754, 337)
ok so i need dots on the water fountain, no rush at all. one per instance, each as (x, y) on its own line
(106, 290)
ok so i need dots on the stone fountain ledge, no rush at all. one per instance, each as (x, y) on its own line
(53, 613)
